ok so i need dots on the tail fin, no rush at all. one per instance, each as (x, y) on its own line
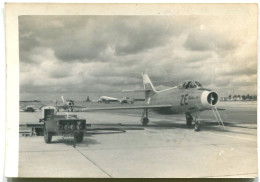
(62, 98)
(148, 86)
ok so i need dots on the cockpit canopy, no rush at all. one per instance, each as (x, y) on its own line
(189, 84)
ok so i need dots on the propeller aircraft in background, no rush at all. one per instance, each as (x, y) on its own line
(67, 105)
(107, 100)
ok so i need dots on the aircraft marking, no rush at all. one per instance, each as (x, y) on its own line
(184, 99)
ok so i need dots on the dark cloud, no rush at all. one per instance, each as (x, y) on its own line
(60, 74)
(144, 37)
(108, 53)
(85, 38)
(62, 34)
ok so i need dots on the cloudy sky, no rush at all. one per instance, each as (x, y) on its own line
(79, 54)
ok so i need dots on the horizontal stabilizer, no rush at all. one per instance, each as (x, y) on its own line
(139, 90)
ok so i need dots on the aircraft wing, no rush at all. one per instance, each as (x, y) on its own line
(78, 106)
(130, 107)
(62, 106)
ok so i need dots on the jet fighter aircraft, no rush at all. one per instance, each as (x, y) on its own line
(67, 105)
(189, 97)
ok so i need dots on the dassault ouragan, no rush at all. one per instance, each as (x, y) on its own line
(188, 97)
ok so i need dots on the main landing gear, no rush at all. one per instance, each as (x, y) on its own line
(68, 109)
(144, 118)
(71, 109)
(189, 120)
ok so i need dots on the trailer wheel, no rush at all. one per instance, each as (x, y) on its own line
(38, 131)
(79, 137)
(47, 135)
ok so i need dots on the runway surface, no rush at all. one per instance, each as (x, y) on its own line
(118, 146)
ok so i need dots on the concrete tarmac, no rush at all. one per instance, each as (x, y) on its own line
(166, 148)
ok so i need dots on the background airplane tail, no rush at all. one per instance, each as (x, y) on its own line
(62, 99)
(148, 86)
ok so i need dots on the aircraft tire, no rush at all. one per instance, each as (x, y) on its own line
(145, 121)
(39, 131)
(79, 137)
(197, 126)
(189, 119)
(47, 135)
(189, 122)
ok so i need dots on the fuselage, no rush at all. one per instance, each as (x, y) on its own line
(183, 100)
(107, 99)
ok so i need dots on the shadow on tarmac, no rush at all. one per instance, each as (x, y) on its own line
(206, 125)
(110, 128)
(70, 141)
(87, 137)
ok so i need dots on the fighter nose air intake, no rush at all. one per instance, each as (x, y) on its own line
(209, 98)
(212, 98)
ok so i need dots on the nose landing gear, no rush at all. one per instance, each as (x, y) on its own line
(144, 118)
(189, 120)
(197, 125)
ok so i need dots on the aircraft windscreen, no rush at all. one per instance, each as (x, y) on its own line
(193, 85)
(198, 84)
(189, 84)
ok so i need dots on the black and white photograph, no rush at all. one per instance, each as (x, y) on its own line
(166, 94)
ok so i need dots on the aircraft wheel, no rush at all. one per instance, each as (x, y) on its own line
(189, 119)
(145, 121)
(197, 126)
(189, 122)
(47, 135)
(79, 137)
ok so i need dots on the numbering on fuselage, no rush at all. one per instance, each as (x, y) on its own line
(184, 99)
